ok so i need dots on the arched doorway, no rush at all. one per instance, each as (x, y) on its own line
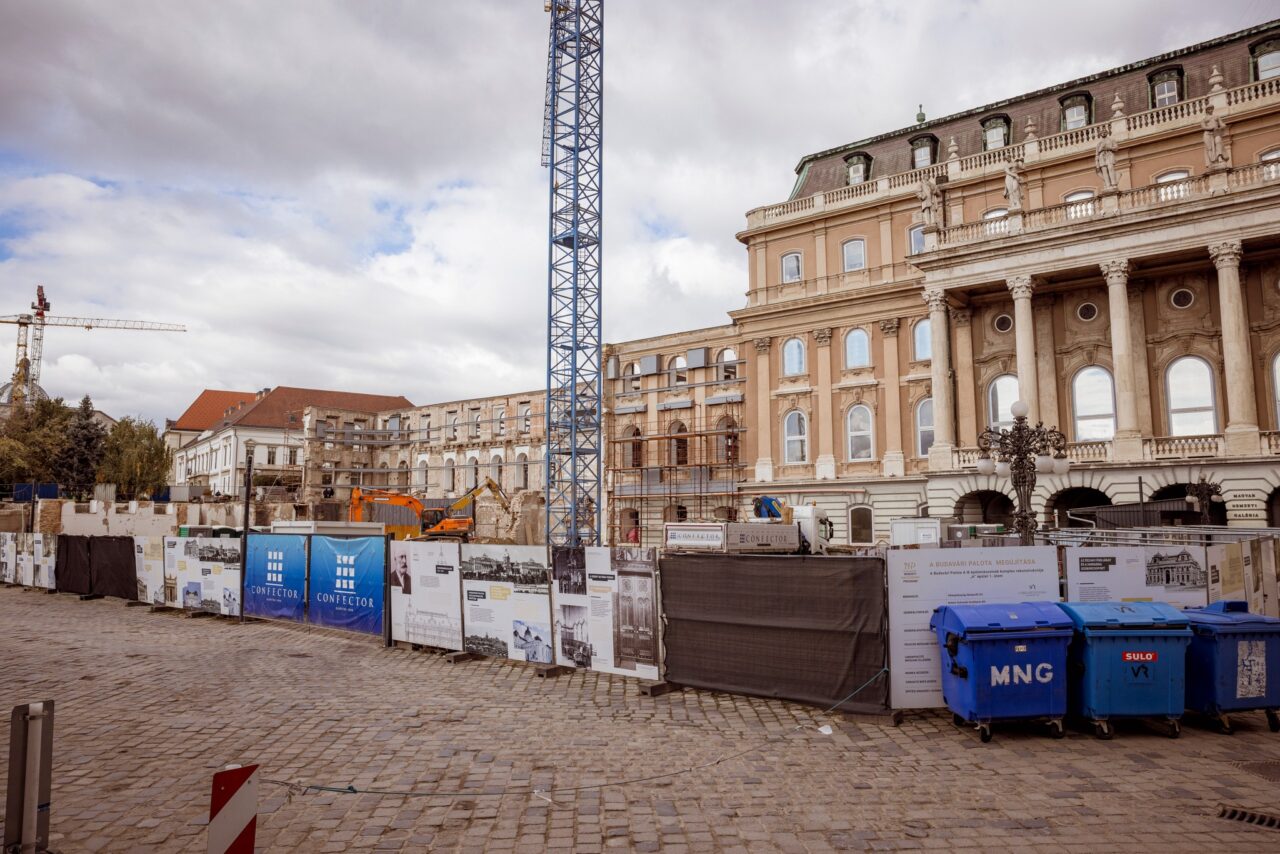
(1273, 508)
(1217, 509)
(1062, 503)
(985, 507)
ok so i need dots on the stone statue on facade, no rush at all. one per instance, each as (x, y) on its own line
(1215, 148)
(1013, 184)
(1105, 159)
(930, 196)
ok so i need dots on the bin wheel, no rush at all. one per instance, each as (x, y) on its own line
(1224, 725)
(1056, 729)
(957, 720)
(984, 732)
(1175, 729)
(1273, 720)
(1102, 729)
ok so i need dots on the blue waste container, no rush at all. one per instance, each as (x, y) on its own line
(1233, 663)
(1127, 660)
(1003, 662)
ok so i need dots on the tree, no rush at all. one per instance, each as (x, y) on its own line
(77, 464)
(34, 437)
(135, 458)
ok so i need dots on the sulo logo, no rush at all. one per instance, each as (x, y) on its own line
(1138, 656)
(1021, 674)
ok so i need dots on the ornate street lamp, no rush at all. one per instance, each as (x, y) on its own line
(1020, 453)
(1202, 495)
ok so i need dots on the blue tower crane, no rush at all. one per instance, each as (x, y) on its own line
(572, 141)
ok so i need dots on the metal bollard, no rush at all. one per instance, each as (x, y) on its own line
(26, 827)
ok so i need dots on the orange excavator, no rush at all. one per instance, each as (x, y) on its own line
(405, 517)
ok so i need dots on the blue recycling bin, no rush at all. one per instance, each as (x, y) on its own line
(1127, 660)
(1233, 663)
(1003, 663)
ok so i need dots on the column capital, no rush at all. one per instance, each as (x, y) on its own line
(960, 316)
(889, 326)
(1115, 271)
(1226, 253)
(936, 298)
(1022, 287)
(822, 336)
(763, 344)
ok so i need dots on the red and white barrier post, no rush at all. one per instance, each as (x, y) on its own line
(233, 810)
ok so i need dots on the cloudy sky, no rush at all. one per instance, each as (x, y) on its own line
(348, 194)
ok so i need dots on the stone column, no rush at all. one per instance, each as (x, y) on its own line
(966, 390)
(764, 411)
(825, 465)
(894, 464)
(820, 260)
(940, 366)
(1047, 362)
(1241, 435)
(1025, 339)
(1141, 368)
(1128, 440)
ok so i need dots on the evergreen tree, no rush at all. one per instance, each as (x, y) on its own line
(35, 438)
(77, 465)
(135, 458)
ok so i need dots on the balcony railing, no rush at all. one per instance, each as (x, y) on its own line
(1271, 443)
(1163, 447)
(989, 163)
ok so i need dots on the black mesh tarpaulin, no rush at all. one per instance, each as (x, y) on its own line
(71, 565)
(811, 629)
(112, 568)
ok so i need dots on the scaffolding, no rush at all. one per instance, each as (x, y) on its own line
(688, 469)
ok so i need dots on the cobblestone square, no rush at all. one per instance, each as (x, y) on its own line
(150, 705)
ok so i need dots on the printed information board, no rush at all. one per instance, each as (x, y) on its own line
(922, 579)
(149, 567)
(507, 601)
(1174, 574)
(276, 576)
(426, 594)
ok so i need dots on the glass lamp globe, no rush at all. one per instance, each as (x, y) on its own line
(1044, 464)
(1019, 409)
(1002, 469)
(986, 466)
(1061, 465)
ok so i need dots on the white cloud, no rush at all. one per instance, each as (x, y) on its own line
(348, 195)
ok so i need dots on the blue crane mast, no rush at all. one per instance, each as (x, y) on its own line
(572, 141)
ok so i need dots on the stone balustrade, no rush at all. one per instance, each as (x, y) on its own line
(1166, 447)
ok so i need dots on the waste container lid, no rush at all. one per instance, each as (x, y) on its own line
(1230, 614)
(1014, 616)
(1125, 615)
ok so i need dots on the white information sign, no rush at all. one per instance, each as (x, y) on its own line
(426, 593)
(1174, 574)
(922, 579)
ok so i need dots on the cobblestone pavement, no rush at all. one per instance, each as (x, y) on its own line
(150, 705)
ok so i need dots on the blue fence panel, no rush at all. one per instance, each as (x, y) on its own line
(276, 576)
(347, 578)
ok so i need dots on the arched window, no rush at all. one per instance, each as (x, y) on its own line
(795, 439)
(678, 370)
(922, 340)
(634, 448)
(453, 429)
(679, 449)
(995, 133)
(450, 484)
(495, 469)
(727, 359)
(473, 472)
(475, 424)
(792, 357)
(631, 377)
(792, 270)
(924, 427)
(997, 221)
(500, 421)
(857, 349)
(402, 476)
(630, 525)
(1266, 60)
(675, 513)
(1081, 204)
(1192, 409)
(526, 418)
(1001, 394)
(727, 441)
(855, 255)
(1077, 111)
(858, 427)
(861, 525)
(522, 462)
(1172, 185)
(915, 240)
(1093, 404)
(1272, 159)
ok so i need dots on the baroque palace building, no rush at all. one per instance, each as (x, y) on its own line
(1107, 250)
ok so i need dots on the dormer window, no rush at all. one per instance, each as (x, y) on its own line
(857, 168)
(1166, 87)
(995, 133)
(1077, 111)
(924, 151)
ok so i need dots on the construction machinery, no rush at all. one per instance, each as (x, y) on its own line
(405, 517)
(26, 370)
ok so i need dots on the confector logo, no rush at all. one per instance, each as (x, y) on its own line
(345, 574)
(275, 567)
(1129, 656)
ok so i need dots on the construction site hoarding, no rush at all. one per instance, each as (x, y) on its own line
(426, 593)
(347, 579)
(507, 595)
(1174, 574)
(275, 584)
(732, 537)
(203, 574)
(149, 568)
(8, 558)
